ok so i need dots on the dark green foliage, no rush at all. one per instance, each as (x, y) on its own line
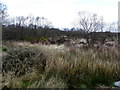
(3, 49)
(26, 83)
(29, 38)
(20, 60)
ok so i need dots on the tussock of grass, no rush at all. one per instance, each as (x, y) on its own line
(64, 68)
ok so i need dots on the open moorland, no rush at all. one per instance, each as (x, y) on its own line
(67, 65)
(37, 53)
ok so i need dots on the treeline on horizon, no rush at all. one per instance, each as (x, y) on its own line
(18, 32)
(31, 33)
(33, 28)
(29, 28)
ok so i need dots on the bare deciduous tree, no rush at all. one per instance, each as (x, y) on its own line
(90, 22)
(3, 13)
(20, 20)
(112, 27)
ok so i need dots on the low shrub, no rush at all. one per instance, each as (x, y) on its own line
(21, 60)
(43, 39)
(30, 39)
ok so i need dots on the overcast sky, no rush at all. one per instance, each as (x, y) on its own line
(62, 13)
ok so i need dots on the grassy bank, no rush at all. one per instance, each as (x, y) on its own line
(42, 66)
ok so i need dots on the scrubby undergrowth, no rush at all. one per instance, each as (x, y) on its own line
(40, 66)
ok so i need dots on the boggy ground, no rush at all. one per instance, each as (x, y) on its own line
(28, 65)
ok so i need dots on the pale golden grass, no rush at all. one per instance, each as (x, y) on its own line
(73, 67)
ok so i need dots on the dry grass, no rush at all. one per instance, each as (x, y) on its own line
(66, 67)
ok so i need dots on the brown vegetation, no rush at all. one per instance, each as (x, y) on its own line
(61, 66)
